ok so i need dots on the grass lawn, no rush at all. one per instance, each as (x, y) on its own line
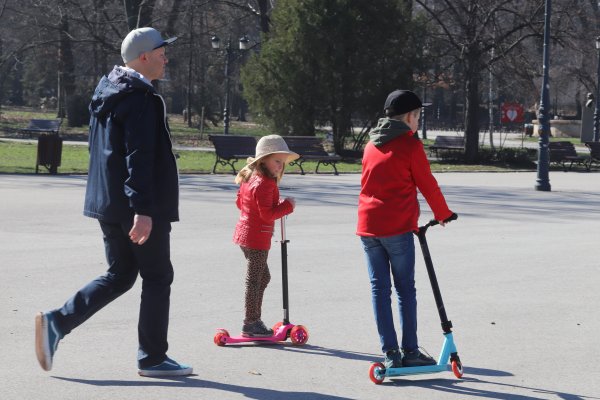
(20, 158)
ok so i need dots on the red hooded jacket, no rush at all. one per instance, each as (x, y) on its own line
(259, 204)
(391, 175)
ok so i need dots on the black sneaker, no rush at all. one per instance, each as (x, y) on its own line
(417, 359)
(393, 359)
(256, 329)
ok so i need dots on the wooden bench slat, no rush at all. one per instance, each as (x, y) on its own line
(42, 126)
(447, 143)
(563, 152)
(231, 148)
(310, 148)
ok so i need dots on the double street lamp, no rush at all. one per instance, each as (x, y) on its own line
(597, 109)
(244, 44)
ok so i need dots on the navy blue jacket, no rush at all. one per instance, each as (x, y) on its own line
(132, 166)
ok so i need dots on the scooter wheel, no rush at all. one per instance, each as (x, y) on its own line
(457, 368)
(299, 335)
(221, 337)
(376, 373)
(277, 326)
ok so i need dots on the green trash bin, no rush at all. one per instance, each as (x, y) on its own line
(49, 152)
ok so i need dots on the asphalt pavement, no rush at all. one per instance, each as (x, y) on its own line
(519, 273)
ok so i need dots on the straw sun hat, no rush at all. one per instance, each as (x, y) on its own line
(271, 144)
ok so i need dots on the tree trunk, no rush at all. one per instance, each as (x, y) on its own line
(188, 102)
(263, 7)
(242, 106)
(131, 13)
(303, 123)
(471, 112)
(342, 121)
(100, 56)
(138, 13)
(341, 129)
(202, 104)
(66, 67)
(174, 16)
(1, 76)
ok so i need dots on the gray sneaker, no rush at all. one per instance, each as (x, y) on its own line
(256, 329)
(169, 367)
(417, 359)
(393, 359)
(47, 337)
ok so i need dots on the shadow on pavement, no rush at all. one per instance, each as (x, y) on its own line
(323, 351)
(453, 386)
(192, 382)
(485, 372)
(496, 390)
(308, 349)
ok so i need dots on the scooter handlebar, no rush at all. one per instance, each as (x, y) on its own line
(283, 238)
(434, 222)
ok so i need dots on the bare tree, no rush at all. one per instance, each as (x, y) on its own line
(468, 30)
(138, 12)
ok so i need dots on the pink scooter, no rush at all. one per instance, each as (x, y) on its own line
(298, 334)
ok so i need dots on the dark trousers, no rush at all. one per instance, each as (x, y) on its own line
(125, 260)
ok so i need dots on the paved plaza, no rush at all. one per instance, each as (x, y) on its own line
(519, 273)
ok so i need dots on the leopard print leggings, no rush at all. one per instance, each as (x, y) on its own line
(257, 279)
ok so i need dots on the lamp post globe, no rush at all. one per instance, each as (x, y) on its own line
(244, 43)
(215, 42)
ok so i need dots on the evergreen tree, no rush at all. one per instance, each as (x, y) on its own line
(329, 61)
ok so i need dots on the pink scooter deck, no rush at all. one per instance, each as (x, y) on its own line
(298, 334)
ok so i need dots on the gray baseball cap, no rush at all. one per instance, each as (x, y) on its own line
(141, 40)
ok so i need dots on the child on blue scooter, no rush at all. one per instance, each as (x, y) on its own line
(394, 166)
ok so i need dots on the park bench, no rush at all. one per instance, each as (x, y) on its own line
(563, 153)
(231, 148)
(42, 126)
(310, 148)
(594, 153)
(447, 144)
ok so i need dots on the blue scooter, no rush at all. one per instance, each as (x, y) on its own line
(448, 358)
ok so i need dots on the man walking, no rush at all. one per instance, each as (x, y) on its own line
(133, 191)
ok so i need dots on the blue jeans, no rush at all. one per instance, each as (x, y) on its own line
(395, 254)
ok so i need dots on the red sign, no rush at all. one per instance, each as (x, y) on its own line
(511, 112)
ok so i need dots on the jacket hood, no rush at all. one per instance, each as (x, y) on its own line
(113, 87)
(386, 130)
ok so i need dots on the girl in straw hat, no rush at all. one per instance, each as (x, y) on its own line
(260, 205)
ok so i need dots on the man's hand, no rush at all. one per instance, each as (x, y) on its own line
(142, 226)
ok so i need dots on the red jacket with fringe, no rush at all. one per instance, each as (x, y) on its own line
(259, 204)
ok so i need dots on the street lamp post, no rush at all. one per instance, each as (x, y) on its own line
(543, 180)
(597, 109)
(216, 44)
